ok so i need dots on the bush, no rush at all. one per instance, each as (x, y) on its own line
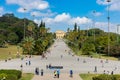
(117, 77)
(11, 77)
(104, 77)
(3, 76)
(17, 73)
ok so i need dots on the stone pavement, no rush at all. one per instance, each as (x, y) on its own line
(51, 77)
(61, 55)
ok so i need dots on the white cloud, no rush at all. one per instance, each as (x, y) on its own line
(22, 10)
(114, 4)
(61, 21)
(65, 19)
(62, 17)
(102, 2)
(115, 7)
(98, 14)
(78, 20)
(104, 26)
(43, 14)
(1, 9)
(30, 4)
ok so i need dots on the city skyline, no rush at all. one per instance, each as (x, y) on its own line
(59, 15)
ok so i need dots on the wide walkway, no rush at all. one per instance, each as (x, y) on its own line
(63, 76)
(61, 55)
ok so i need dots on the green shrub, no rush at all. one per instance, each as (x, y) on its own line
(17, 73)
(11, 77)
(104, 77)
(3, 76)
(117, 77)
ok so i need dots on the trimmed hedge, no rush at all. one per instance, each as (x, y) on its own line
(106, 77)
(11, 74)
(11, 77)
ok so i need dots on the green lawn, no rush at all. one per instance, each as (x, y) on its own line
(4, 52)
(88, 76)
(95, 55)
(27, 76)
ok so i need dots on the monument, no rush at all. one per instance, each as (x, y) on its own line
(59, 34)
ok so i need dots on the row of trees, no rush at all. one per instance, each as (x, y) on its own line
(35, 40)
(93, 41)
(11, 29)
(38, 39)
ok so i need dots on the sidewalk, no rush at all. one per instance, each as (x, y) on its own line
(51, 77)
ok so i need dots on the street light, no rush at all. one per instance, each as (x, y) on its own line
(24, 21)
(33, 17)
(94, 25)
(87, 27)
(108, 27)
(118, 32)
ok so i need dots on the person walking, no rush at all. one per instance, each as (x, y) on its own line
(112, 73)
(55, 74)
(71, 73)
(58, 73)
(26, 62)
(29, 62)
(21, 67)
(41, 72)
(37, 71)
(95, 69)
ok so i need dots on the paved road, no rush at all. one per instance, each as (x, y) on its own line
(68, 61)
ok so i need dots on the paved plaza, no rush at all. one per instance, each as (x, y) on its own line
(61, 55)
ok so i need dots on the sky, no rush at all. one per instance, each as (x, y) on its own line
(63, 14)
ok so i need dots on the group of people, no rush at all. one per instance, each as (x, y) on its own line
(56, 73)
(37, 71)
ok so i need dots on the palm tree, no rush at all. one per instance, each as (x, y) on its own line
(28, 45)
(31, 27)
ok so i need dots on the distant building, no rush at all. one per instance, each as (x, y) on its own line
(60, 34)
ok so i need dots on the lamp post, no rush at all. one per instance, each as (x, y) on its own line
(108, 18)
(99, 51)
(118, 33)
(87, 27)
(24, 22)
(94, 25)
(33, 17)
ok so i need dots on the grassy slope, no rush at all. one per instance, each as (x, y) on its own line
(4, 52)
(87, 76)
(27, 76)
(95, 55)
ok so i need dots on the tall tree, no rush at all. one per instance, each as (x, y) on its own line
(28, 45)
(75, 27)
(31, 27)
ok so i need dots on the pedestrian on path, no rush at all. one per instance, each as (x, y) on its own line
(21, 66)
(84, 61)
(37, 71)
(26, 62)
(77, 59)
(112, 73)
(61, 56)
(95, 69)
(71, 73)
(29, 62)
(41, 72)
(58, 73)
(55, 74)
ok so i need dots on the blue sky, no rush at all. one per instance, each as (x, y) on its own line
(61, 14)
